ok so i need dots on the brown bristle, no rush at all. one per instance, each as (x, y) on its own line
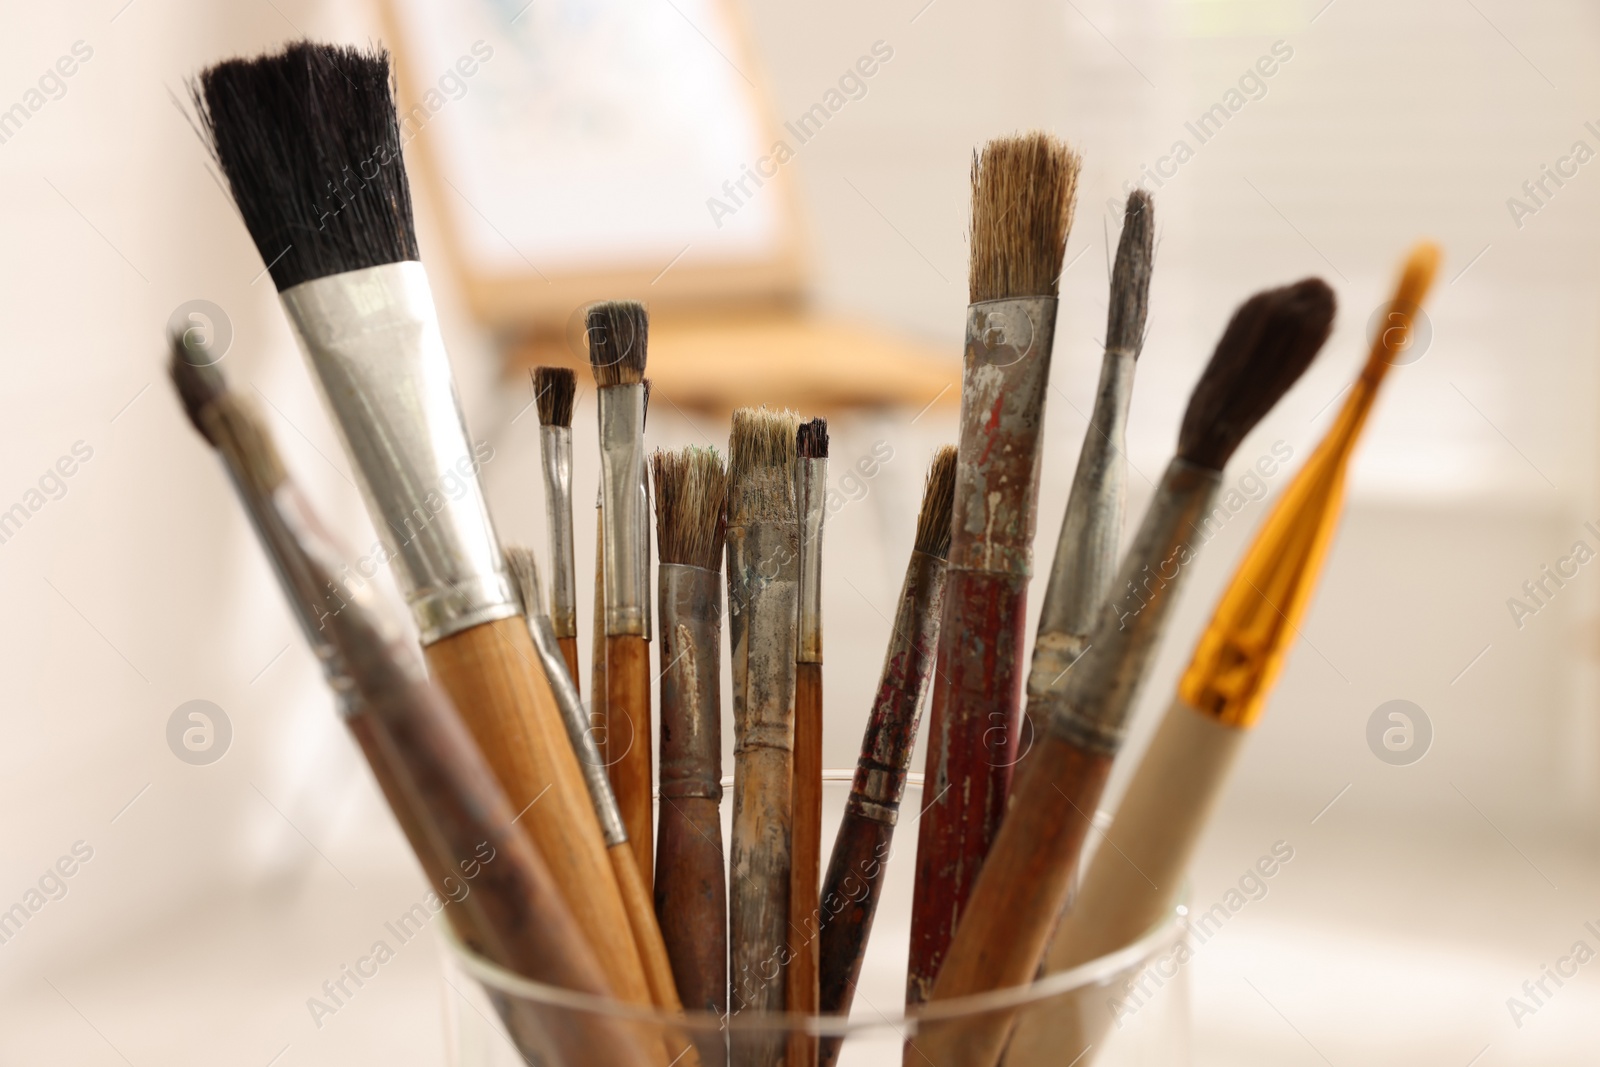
(524, 568)
(938, 501)
(619, 334)
(761, 456)
(811, 440)
(1130, 278)
(554, 389)
(691, 513)
(1023, 192)
(1267, 345)
(198, 381)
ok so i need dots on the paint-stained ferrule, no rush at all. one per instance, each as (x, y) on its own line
(1090, 711)
(555, 452)
(763, 585)
(810, 496)
(621, 475)
(1006, 372)
(372, 339)
(691, 681)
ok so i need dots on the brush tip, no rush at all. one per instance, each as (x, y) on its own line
(938, 504)
(618, 332)
(811, 440)
(691, 515)
(554, 389)
(761, 437)
(1130, 277)
(198, 381)
(1023, 192)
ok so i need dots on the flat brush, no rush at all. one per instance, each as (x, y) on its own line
(763, 602)
(618, 334)
(309, 144)
(1020, 893)
(1086, 552)
(641, 915)
(553, 391)
(1131, 884)
(691, 896)
(1023, 191)
(454, 814)
(861, 851)
(805, 872)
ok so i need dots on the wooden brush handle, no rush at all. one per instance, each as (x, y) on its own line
(972, 745)
(805, 871)
(1132, 882)
(850, 895)
(691, 900)
(631, 742)
(569, 656)
(680, 1048)
(1018, 897)
(492, 674)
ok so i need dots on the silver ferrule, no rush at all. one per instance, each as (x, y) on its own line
(810, 498)
(1005, 373)
(645, 552)
(763, 586)
(621, 468)
(691, 681)
(372, 338)
(1091, 709)
(555, 452)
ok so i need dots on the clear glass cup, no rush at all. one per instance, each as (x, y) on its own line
(1136, 1000)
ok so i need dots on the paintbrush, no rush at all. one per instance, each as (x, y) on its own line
(1001, 939)
(1128, 887)
(805, 872)
(1086, 552)
(310, 146)
(554, 389)
(458, 821)
(691, 895)
(763, 601)
(861, 851)
(641, 914)
(618, 334)
(1023, 189)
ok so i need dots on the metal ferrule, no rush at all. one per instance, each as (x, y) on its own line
(880, 779)
(810, 496)
(555, 451)
(621, 468)
(1090, 710)
(1005, 374)
(372, 338)
(645, 552)
(763, 587)
(691, 681)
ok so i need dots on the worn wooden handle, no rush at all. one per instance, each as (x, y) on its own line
(850, 895)
(1018, 897)
(631, 743)
(691, 900)
(681, 1051)
(805, 870)
(492, 674)
(569, 656)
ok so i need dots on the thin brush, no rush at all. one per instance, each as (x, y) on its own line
(455, 816)
(1130, 885)
(691, 895)
(1023, 191)
(309, 143)
(1001, 939)
(763, 601)
(1086, 552)
(805, 873)
(618, 334)
(554, 389)
(861, 851)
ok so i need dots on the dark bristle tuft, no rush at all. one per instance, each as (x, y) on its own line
(619, 334)
(644, 421)
(1130, 278)
(938, 502)
(1023, 192)
(524, 568)
(553, 390)
(761, 438)
(691, 506)
(1267, 345)
(310, 145)
(198, 381)
(811, 440)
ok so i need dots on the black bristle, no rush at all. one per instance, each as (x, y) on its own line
(310, 145)
(1130, 278)
(553, 390)
(1267, 345)
(619, 335)
(811, 440)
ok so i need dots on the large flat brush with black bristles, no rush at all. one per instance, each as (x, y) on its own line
(1020, 893)
(1023, 191)
(554, 389)
(309, 144)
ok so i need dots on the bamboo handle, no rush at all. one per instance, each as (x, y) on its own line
(1134, 877)
(569, 656)
(1017, 899)
(632, 744)
(805, 870)
(492, 674)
